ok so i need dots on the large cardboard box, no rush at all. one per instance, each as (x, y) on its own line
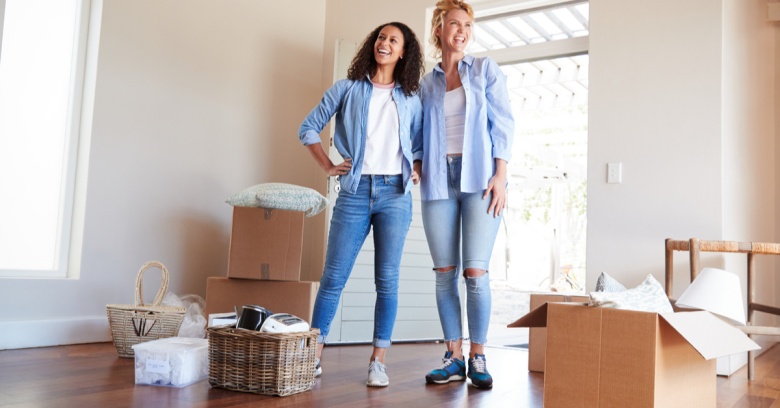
(612, 358)
(537, 336)
(266, 244)
(296, 298)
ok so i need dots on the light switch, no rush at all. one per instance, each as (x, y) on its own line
(614, 173)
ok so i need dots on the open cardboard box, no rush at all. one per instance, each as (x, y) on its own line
(613, 358)
(537, 336)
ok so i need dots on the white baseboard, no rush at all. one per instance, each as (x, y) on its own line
(730, 364)
(56, 332)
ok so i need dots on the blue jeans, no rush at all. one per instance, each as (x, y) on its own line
(443, 220)
(380, 203)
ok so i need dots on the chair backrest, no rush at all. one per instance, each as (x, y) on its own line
(695, 247)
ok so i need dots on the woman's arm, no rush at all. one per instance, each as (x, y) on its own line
(318, 118)
(325, 163)
(501, 125)
(309, 132)
(417, 139)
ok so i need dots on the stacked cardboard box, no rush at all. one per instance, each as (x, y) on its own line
(264, 265)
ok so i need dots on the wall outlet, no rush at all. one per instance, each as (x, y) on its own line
(614, 173)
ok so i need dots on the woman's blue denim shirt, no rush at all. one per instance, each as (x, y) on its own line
(348, 100)
(488, 130)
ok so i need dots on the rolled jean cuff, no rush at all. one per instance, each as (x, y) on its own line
(321, 339)
(382, 343)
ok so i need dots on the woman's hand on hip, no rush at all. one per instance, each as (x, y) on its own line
(326, 164)
(416, 172)
(340, 169)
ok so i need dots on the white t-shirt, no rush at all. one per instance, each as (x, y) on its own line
(454, 119)
(383, 147)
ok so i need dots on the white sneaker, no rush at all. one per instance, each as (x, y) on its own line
(318, 369)
(377, 374)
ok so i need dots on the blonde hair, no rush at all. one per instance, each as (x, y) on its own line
(442, 8)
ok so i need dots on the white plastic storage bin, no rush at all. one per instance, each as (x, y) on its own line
(172, 361)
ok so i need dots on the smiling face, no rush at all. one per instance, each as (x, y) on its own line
(455, 33)
(389, 46)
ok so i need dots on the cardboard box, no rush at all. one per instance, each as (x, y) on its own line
(266, 244)
(612, 358)
(537, 336)
(296, 298)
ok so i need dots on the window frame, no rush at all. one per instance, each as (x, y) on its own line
(70, 220)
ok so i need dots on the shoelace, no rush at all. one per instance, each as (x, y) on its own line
(445, 362)
(479, 365)
(377, 366)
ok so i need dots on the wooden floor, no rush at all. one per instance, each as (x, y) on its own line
(92, 375)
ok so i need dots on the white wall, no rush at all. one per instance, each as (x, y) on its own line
(197, 99)
(194, 100)
(680, 93)
(655, 103)
(749, 181)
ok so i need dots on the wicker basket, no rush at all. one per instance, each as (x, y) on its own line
(262, 363)
(138, 323)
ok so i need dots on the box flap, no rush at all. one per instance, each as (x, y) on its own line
(534, 318)
(538, 316)
(710, 336)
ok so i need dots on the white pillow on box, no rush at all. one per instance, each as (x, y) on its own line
(280, 196)
(606, 283)
(647, 297)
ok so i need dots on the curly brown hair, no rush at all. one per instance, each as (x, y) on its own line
(407, 71)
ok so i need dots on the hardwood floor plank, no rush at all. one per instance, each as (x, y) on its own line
(92, 375)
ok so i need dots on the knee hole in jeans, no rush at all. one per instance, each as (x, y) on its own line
(444, 269)
(473, 272)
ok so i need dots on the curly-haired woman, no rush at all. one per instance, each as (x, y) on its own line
(377, 110)
(462, 159)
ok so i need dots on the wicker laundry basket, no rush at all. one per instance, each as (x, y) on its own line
(262, 363)
(139, 322)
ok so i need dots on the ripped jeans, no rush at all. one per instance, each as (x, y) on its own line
(461, 225)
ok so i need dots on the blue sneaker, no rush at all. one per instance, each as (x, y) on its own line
(452, 369)
(478, 373)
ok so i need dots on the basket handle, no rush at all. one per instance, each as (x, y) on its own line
(139, 297)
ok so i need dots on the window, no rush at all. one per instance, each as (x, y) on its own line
(42, 64)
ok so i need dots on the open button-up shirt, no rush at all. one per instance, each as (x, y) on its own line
(488, 131)
(348, 100)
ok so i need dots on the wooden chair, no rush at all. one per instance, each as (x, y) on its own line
(695, 247)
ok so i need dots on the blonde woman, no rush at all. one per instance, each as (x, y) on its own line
(462, 158)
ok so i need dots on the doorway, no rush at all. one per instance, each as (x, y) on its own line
(541, 247)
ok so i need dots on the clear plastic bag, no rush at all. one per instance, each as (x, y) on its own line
(194, 323)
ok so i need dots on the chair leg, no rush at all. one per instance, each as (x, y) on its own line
(751, 365)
